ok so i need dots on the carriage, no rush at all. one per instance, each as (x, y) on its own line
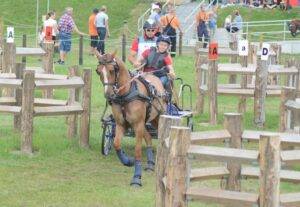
(173, 109)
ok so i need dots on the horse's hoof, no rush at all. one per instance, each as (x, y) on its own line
(150, 167)
(130, 162)
(136, 182)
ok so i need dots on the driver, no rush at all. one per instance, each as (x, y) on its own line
(158, 60)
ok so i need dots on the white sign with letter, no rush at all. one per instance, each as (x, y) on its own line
(243, 47)
(10, 35)
(265, 51)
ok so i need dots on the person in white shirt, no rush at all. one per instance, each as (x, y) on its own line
(50, 22)
(101, 22)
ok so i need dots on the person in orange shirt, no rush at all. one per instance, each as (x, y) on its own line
(170, 24)
(93, 31)
(201, 23)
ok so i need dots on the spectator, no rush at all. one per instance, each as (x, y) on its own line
(101, 22)
(51, 22)
(155, 16)
(212, 24)
(201, 21)
(93, 31)
(170, 24)
(237, 24)
(144, 42)
(66, 26)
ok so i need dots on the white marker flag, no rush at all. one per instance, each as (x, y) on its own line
(10, 35)
(265, 51)
(243, 47)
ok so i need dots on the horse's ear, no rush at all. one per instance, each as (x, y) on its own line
(114, 54)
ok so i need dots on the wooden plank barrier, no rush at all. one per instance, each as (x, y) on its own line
(182, 148)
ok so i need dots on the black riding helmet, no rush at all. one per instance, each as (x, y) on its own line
(150, 24)
(163, 38)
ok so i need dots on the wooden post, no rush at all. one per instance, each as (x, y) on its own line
(9, 64)
(177, 167)
(233, 59)
(287, 93)
(298, 80)
(260, 92)
(20, 67)
(24, 44)
(212, 91)
(73, 98)
(80, 60)
(234, 124)
(48, 66)
(86, 105)
(27, 112)
(124, 41)
(243, 99)
(1, 43)
(163, 148)
(199, 77)
(180, 44)
(269, 161)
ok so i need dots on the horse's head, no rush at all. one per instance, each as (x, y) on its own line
(293, 26)
(108, 70)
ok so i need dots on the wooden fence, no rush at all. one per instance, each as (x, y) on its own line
(175, 178)
(24, 106)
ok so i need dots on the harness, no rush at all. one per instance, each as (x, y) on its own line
(155, 61)
(133, 93)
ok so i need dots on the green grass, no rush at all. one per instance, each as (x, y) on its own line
(60, 173)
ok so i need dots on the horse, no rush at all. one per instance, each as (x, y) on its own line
(132, 106)
(294, 25)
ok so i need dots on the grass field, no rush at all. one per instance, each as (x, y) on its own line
(60, 173)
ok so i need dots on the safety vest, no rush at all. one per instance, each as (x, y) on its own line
(145, 44)
(155, 61)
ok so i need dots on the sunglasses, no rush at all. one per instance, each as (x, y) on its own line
(150, 30)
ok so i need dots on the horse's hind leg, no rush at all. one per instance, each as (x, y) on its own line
(139, 134)
(125, 160)
(149, 151)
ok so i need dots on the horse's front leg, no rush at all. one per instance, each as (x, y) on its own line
(139, 129)
(125, 160)
(149, 152)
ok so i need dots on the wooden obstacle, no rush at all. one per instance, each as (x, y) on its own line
(175, 179)
(25, 107)
(207, 81)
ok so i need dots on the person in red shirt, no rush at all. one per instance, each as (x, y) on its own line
(93, 31)
(159, 62)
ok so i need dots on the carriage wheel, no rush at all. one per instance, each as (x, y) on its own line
(107, 138)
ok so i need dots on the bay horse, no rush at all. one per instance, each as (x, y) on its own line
(132, 106)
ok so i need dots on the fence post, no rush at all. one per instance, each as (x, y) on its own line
(269, 161)
(86, 105)
(199, 78)
(180, 43)
(287, 93)
(27, 112)
(233, 59)
(260, 92)
(48, 66)
(212, 91)
(124, 41)
(163, 148)
(1, 42)
(234, 124)
(177, 167)
(9, 64)
(80, 50)
(243, 99)
(20, 67)
(73, 97)
(24, 44)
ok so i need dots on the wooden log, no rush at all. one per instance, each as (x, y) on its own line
(269, 161)
(260, 92)
(208, 173)
(10, 109)
(177, 167)
(73, 97)
(212, 91)
(69, 83)
(207, 137)
(200, 60)
(57, 110)
(165, 123)
(48, 66)
(290, 199)
(86, 105)
(298, 80)
(233, 59)
(19, 74)
(242, 101)
(287, 93)
(27, 112)
(27, 51)
(9, 64)
(234, 124)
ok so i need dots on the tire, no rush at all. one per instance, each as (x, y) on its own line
(108, 135)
